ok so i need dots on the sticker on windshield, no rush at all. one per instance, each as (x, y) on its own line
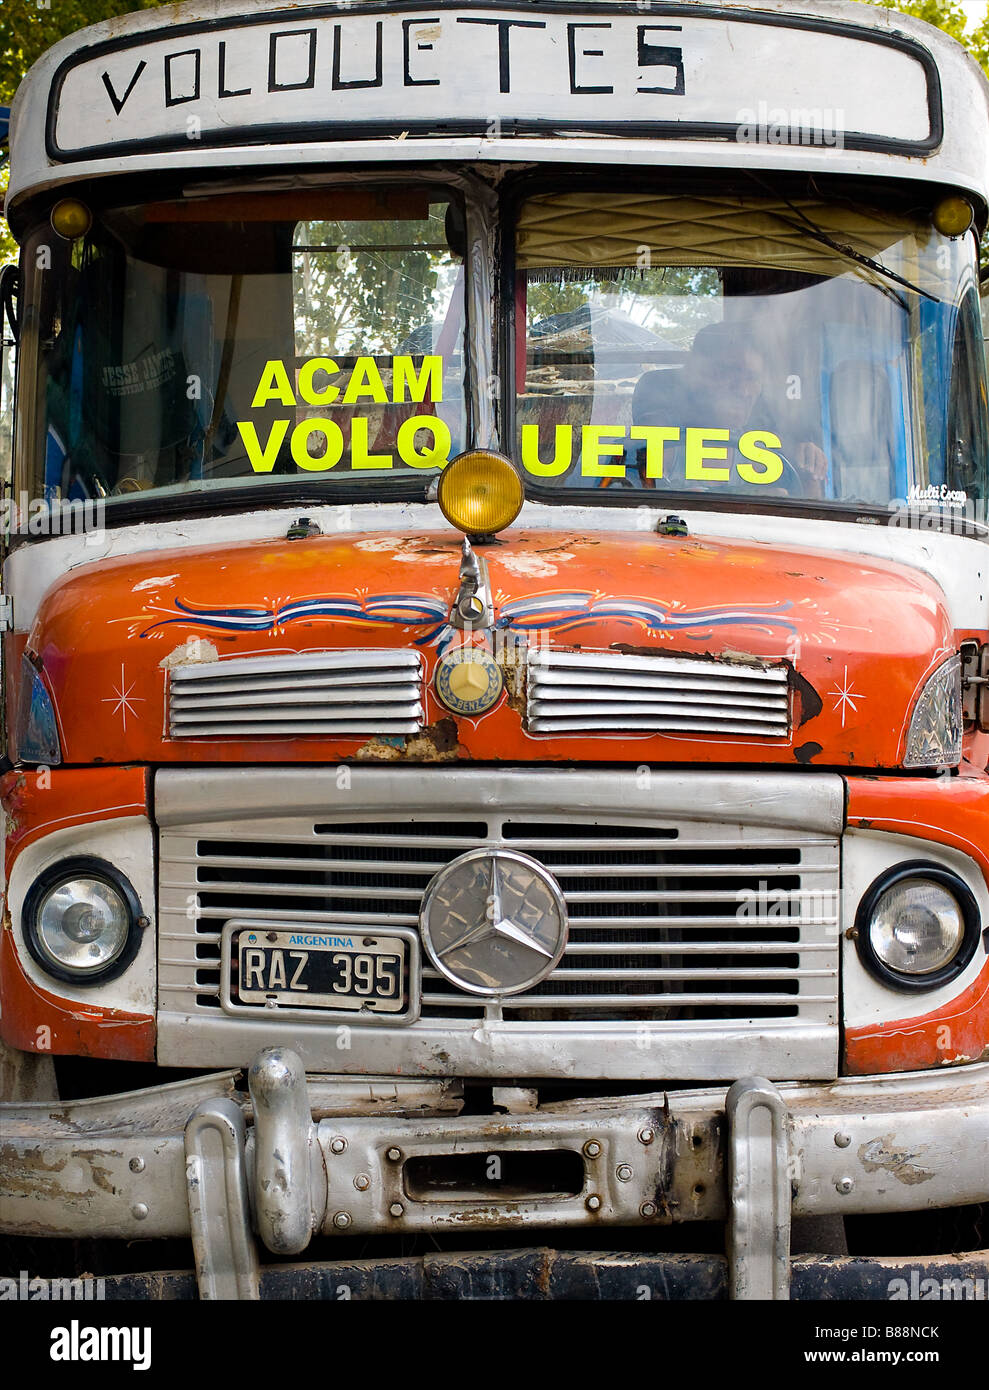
(935, 495)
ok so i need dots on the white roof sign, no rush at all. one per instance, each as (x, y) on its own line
(332, 71)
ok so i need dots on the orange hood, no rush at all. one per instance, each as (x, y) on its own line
(861, 637)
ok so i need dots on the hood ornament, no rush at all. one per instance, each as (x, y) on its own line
(472, 608)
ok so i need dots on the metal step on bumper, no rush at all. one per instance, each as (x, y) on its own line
(194, 1159)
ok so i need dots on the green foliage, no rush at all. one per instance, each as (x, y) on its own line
(365, 287)
(8, 246)
(943, 14)
(949, 16)
(26, 31)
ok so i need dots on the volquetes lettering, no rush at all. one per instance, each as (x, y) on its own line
(348, 55)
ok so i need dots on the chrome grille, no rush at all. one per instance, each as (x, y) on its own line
(331, 692)
(571, 691)
(668, 922)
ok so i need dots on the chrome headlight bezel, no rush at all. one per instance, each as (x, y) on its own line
(64, 872)
(968, 908)
(934, 734)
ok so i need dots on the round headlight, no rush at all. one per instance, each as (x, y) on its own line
(82, 921)
(918, 927)
(480, 492)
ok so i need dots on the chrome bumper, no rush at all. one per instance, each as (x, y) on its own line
(319, 1155)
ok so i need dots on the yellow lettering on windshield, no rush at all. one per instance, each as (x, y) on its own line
(753, 446)
(562, 451)
(359, 456)
(273, 386)
(656, 437)
(333, 435)
(704, 455)
(365, 381)
(262, 460)
(701, 446)
(428, 380)
(595, 444)
(307, 386)
(408, 383)
(438, 456)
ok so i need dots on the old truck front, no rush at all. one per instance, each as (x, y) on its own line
(388, 856)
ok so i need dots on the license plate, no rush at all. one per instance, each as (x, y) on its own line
(278, 969)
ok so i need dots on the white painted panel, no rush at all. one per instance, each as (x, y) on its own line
(323, 65)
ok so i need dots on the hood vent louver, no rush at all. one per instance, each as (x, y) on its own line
(571, 692)
(315, 694)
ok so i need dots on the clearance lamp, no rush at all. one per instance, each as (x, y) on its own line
(71, 219)
(953, 216)
(480, 492)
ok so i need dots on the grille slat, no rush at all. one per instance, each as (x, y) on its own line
(308, 890)
(699, 923)
(390, 702)
(635, 868)
(566, 974)
(608, 1001)
(694, 948)
(377, 920)
(632, 869)
(645, 721)
(332, 692)
(299, 728)
(606, 691)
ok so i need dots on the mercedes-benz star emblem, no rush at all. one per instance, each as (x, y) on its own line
(494, 922)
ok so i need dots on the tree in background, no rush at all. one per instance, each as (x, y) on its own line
(949, 16)
(26, 31)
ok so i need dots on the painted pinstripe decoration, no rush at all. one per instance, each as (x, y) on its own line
(539, 612)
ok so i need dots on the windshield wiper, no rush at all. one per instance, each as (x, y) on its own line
(810, 229)
(413, 486)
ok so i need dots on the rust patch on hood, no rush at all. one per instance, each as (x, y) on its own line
(378, 750)
(811, 703)
(196, 651)
(437, 743)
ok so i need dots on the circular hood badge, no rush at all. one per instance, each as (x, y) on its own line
(469, 681)
(494, 922)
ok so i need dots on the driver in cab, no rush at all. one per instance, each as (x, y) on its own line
(721, 387)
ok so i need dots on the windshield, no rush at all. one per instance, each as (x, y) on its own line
(241, 339)
(747, 348)
(713, 347)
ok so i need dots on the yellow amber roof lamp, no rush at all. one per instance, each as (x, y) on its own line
(71, 219)
(953, 216)
(480, 492)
